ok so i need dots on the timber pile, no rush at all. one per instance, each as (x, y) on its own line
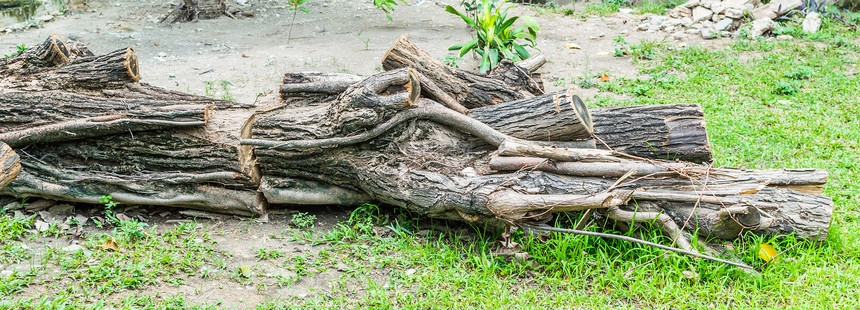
(436, 140)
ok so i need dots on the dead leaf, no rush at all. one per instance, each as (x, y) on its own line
(110, 244)
(766, 252)
(604, 78)
(572, 46)
(41, 226)
(123, 217)
(245, 271)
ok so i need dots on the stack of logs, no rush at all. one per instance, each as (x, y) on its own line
(439, 141)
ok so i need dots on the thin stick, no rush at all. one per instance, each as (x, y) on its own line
(634, 240)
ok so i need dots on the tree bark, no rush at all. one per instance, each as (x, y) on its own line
(93, 130)
(10, 166)
(416, 155)
(378, 140)
(469, 89)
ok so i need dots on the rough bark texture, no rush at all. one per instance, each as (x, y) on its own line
(559, 116)
(469, 89)
(675, 131)
(378, 140)
(191, 10)
(91, 129)
(10, 167)
(423, 157)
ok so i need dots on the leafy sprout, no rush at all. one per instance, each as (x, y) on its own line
(496, 38)
(296, 6)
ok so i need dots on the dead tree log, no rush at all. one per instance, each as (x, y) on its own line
(192, 10)
(671, 132)
(472, 90)
(97, 131)
(9, 165)
(413, 154)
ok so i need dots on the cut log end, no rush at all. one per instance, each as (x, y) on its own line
(10, 165)
(132, 68)
(581, 112)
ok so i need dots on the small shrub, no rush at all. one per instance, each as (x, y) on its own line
(303, 220)
(496, 38)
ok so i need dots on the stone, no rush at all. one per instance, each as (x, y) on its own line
(701, 14)
(761, 26)
(691, 31)
(658, 20)
(734, 13)
(718, 7)
(625, 11)
(679, 36)
(45, 18)
(687, 22)
(770, 10)
(709, 33)
(681, 12)
(723, 24)
(691, 4)
(12, 206)
(739, 4)
(643, 27)
(62, 209)
(812, 23)
(784, 37)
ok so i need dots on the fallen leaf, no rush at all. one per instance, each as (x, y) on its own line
(245, 271)
(766, 252)
(604, 78)
(572, 46)
(110, 244)
(122, 217)
(41, 226)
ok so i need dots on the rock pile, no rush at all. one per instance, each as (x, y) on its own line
(719, 18)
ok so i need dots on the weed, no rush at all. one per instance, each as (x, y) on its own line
(303, 220)
(645, 50)
(451, 61)
(264, 253)
(387, 6)
(784, 88)
(496, 38)
(295, 6)
(19, 49)
(366, 44)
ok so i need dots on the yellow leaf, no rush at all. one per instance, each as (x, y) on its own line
(766, 252)
(245, 271)
(110, 244)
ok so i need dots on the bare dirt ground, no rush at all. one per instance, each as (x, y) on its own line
(250, 55)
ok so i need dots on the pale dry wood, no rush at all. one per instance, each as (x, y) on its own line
(471, 90)
(10, 166)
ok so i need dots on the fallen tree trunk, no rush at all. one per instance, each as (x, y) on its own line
(99, 132)
(10, 167)
(469, 89)
(379, 140)
(192, 10)
(413, 154)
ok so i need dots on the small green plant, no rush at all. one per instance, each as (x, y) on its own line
(295, 6)
(110, 215)
(451, 61)
(269, 253)
(387, 6)
(366, 44)
(303, 220)
(645, 50)
(496, 38)
(784, 88)
(800, 73)
(19, 49)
